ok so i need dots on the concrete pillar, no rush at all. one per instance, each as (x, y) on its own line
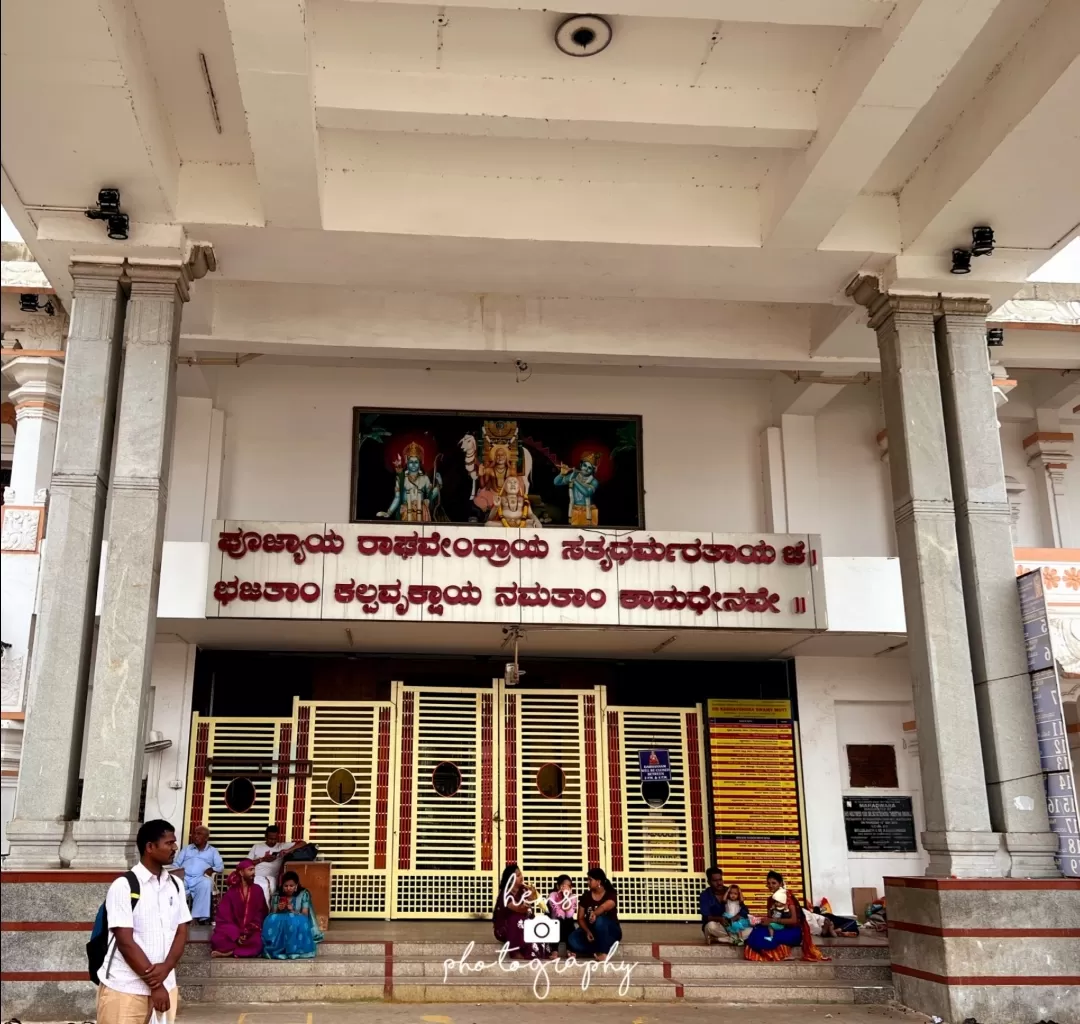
(1014, 779)
(799, 441)
(108, 821)
(1049, 453)
(36, 396)
(772, 474)
(958, 838)
(59, 669)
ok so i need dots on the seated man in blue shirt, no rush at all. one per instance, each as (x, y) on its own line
(712, 907)
(196, 864)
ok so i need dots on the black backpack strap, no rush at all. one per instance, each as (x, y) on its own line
(134, 886)
(136, 891)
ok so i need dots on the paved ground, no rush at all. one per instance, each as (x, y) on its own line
(543, 1013)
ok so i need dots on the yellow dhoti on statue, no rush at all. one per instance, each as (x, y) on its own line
(584, 515)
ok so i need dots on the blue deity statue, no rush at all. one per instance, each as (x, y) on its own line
(582, 485)
(415, 493)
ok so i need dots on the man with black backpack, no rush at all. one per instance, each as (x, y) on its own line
(147, 920)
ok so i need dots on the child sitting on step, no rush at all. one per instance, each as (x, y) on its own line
(563, 905)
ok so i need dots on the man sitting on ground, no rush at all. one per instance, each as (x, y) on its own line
(712, 907)
(196, 864)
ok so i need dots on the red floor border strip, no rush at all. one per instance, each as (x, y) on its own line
(46, 926)
(388, 970)
(985, 933)
(58, 875)
(45, 976)
(985, 884)
(960, 979)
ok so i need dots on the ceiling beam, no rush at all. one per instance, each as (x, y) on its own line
(1042, 57)
(801, 398)
(840, 13)
(272, 62)
(532, 107)
(1059, 393)
(882, 80)
(841, 331)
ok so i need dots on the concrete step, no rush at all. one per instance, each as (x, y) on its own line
(740, 970)
(765, 990)
(437, 950)
(516, 989)
(414, 971)
(401, 967)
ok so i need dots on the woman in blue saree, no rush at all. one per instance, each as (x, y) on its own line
(784, 928)
(291, 930)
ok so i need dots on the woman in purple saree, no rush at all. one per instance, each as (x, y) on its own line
(240, 914)
(514, 903)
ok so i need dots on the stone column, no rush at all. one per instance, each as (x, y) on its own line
(958, 837)
(1014, 780)
(59, 668)
(36, 410)
(108, 821)
(1049, 453)
(36, 397)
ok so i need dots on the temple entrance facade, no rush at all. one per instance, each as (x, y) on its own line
(419, 801)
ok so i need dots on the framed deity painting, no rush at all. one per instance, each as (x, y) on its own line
(497, 468)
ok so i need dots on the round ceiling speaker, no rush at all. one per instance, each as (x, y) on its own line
(582, 35)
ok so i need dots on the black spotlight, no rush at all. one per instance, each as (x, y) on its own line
(961, 261)
(995, 336)
(116, 223)
(108, 200)
(29, 303)
(982, 241)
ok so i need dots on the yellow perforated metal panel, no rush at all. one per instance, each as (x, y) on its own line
(446, 795)
(346, 804)
(551, 807)
(657, 851)
(225, 749)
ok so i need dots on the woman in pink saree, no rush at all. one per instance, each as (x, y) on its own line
(240, 914)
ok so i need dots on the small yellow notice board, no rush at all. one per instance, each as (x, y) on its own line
(755, 794)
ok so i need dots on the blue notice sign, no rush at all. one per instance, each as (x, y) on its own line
(1050, 723)
(1040, 654)
(655, 765)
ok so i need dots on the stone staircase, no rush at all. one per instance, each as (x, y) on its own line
(414, 972)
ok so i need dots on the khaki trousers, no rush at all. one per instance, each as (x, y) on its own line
(121, 1008)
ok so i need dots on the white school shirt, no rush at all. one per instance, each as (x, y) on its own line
(272, 868)
(159, 911)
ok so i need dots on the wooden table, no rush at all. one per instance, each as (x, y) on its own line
(315, 877)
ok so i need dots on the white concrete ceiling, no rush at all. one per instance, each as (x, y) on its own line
(759, 151)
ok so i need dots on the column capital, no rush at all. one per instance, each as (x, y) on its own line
(37, 381)
(96, 275)
(958, 305)
(866, 291)
(157, 279)
(1053, 449)
(880, 306)
(148, 278)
